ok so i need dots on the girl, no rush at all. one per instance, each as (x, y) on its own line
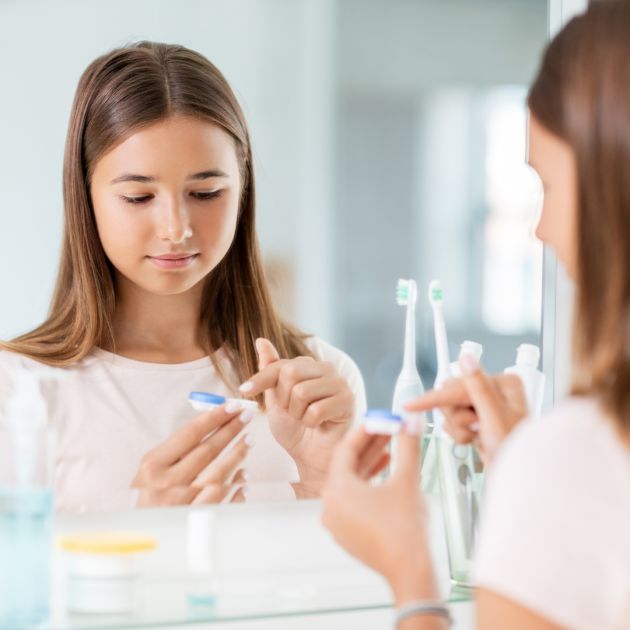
(554, 549)
(161, 292)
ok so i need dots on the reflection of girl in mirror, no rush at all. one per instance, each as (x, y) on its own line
(161, 292)
(554, 546)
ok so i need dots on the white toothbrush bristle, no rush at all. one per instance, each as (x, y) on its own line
(406, 292)
(435, 292)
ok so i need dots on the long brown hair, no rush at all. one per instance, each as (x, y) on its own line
(582, 95)
(119, 93)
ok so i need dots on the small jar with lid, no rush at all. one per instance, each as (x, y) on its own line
(103, 571)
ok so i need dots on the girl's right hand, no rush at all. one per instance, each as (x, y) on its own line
(187, 469)
(384, 526)
(478, 408)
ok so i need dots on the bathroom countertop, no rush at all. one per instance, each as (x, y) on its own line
(272, 566)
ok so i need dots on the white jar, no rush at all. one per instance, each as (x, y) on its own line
(103, 572)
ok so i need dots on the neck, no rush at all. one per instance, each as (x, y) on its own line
(157, 328)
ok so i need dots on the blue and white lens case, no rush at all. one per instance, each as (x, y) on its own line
(204, 401)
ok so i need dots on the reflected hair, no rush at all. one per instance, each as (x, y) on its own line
(119, 93)
(582, 95)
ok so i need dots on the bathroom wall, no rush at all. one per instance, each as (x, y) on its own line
(367, 119)
(277, 55)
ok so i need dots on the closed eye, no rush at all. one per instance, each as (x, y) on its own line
(206, 194)
(137, 199)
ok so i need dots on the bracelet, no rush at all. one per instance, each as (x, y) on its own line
(423, 608)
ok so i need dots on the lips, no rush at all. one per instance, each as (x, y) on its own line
(173, 261)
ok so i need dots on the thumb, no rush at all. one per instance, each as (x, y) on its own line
(483, 395)
(267, 353)
(408, 455)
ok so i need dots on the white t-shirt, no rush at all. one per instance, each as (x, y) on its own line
(109, 411)
(555, 531)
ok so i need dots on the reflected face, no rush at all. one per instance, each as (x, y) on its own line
(166, 203)
(554, 161)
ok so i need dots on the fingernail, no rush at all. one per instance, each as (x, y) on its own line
(249, 440)
(413, 423)
(246, 387)
(246, 416)
(468, 364)
(244, 474)
(474, 426)
(245, 491)
(233, 406)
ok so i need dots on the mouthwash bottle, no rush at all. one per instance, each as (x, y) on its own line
(26, 505)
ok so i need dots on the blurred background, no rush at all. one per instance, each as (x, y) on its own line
(390, 142)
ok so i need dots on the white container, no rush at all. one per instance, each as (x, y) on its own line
(103, 571)
(526, 368)
(382, 422)
(200, 541)
(468, 348)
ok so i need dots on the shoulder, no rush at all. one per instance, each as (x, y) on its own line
(324, 351)
(558, 481)
(566, 454)
(11, 362)
(574, 432)
(343, 363)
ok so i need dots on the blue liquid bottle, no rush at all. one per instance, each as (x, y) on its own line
(26, 506)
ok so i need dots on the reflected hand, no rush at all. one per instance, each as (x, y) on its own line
(478, 408)
(309, 407)
(187, 469)
(384, 526)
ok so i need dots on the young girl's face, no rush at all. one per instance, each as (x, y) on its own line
(166, 203)
(554, 161)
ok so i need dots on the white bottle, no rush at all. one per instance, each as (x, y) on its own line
(468, 348)
(526, 368)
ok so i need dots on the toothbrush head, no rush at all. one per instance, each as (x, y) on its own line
(435, 293)
(406, 292)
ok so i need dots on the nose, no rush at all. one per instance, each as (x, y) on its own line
(539, 228)
(173, 223)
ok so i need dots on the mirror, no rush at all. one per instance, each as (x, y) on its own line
(389, 142)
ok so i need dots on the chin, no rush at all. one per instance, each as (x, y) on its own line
(169, 286)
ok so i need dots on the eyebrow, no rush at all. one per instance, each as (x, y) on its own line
(144, 179)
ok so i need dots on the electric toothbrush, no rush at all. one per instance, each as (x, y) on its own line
(436, 300)
(443, 373)
(454, 462)
(409, 385)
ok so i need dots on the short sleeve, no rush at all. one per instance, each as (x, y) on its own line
(551, 538)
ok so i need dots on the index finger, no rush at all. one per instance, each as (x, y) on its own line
(263, 380)
(186, 438)
(453, 394)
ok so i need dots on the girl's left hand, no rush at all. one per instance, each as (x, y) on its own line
(384, 526)
(309, 407)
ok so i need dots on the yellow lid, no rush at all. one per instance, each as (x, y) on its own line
(107, 543)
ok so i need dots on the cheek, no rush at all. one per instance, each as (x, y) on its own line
(556, 229)
(121, 232)
(215, 228)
